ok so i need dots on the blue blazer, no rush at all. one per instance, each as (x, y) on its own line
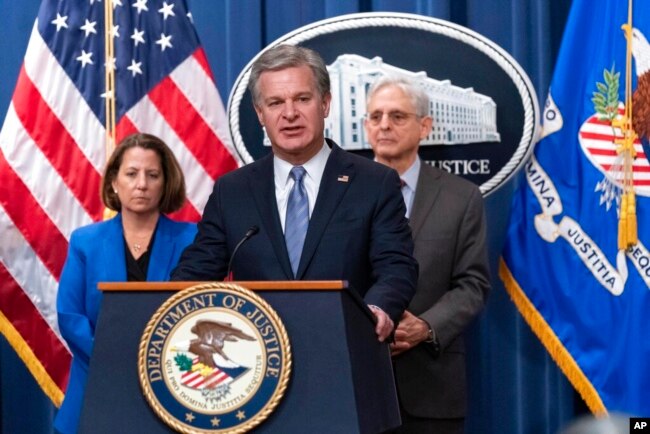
(357, 231)
(96, 254)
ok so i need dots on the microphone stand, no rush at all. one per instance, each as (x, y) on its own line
(249, 234)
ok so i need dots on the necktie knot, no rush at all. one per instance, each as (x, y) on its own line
(402, 183)
(297, 173)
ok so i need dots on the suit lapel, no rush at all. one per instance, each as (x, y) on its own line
(262, 183)
(330, 193)
(163, 250)
(113, 250)
(426, 194)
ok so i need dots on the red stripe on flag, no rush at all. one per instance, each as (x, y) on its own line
(609, 138)
(611, 152)
(49, 134)
(214, 380)
(27, 320)
(186, 214)
(36, 226)
(188, 124)
(595, 121)
(124, 128)
(606, 152)
(639, 169)
(199, 56)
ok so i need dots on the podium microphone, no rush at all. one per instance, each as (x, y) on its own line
(249, 234)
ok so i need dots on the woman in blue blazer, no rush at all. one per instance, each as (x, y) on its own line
(142, 181)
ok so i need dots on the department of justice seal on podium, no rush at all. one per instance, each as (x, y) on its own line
(214, 358)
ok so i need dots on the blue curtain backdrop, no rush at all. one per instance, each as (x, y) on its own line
(514, 386)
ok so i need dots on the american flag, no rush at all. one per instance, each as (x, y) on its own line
(52, 150)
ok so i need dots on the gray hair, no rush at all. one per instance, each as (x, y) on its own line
(288, 56)
(416, 94)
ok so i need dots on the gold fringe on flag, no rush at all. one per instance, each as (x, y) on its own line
(33, 364)
(552, 343)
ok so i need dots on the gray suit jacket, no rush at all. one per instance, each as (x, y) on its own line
(449, 230)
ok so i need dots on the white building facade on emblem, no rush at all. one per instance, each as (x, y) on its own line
(460, 116)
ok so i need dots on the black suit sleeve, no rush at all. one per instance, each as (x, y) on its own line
(207, 257)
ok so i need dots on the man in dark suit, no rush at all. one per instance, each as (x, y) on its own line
(322, 213)
(448, 223)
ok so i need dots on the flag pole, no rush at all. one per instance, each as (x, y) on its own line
(627, 222)
(109, 87)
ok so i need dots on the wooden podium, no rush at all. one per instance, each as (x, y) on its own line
(341, 381)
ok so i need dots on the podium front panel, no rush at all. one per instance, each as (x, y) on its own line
(337, 383)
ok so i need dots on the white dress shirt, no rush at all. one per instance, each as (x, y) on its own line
(410, 177)
(314, 169)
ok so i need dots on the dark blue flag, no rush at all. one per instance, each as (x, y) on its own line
(585, 297)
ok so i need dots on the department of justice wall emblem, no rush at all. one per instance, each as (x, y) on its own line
(214, 358)
(484, 109)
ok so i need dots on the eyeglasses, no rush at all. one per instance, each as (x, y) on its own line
(395, 117)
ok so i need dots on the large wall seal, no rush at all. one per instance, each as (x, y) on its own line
(214, 358)
(484, 107)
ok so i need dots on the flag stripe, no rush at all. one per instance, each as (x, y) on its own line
(58, 146)
(39, 176)
(640, 158)
(215, 380)
(199, 89)
(190, 128)
(604, 137)
(196, 380)
(639, 170)
(124, 128)
(187, 213)
(28, 270)
(202, 60)
(65, 101)
(44, 237)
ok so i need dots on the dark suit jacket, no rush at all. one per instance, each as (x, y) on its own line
(357, 231)
(96, 254)
(449, 231)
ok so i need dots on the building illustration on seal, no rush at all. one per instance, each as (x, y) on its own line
(460, 115)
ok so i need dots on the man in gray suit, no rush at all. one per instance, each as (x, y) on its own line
(448, 223)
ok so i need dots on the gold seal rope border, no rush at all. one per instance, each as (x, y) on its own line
(283, 338)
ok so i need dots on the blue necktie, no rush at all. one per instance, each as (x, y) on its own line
(297, 221)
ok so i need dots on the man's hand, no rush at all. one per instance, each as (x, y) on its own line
(411, 330)
(384, 326)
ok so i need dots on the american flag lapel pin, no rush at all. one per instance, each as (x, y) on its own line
(343, 178)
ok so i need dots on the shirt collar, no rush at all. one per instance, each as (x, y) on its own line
(314, 167)
(411, 175)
